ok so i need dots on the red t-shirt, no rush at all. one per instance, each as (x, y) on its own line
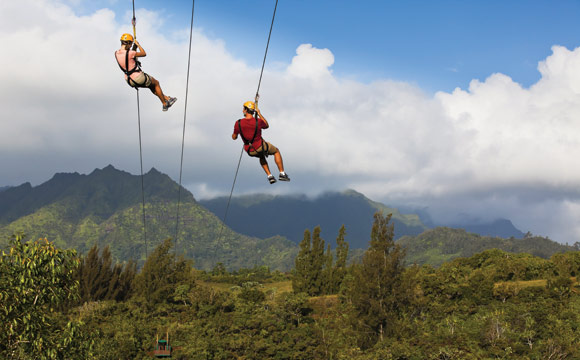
(248, 129)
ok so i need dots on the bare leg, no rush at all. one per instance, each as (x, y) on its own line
(155, 88)
(278, 160)
(265, 166)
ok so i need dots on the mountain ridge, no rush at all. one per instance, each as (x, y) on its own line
(104, 208)
(292, 224)
(295, 213)
(115, 187)
(499, 227)
(442, 244)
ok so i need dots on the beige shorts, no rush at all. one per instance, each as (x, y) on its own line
(270, 149)
(142, 80)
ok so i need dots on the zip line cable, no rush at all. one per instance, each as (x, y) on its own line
(266, 52)
(183, 135)
(256, 103)
(142, 182)
(133, 22)
(232, 190)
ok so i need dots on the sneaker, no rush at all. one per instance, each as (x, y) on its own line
(168, 103)
(283, 177)
(271, 179)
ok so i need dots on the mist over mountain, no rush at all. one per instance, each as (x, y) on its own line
(497, 227)
(268, 215)
(292, 214)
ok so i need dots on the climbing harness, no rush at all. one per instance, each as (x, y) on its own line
(128, 72)
(250, 143)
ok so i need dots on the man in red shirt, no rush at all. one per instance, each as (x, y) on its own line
(250, 129)
(135, 77)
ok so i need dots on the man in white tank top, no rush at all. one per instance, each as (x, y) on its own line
(135, 77)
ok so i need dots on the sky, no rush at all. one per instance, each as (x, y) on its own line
(468, 109)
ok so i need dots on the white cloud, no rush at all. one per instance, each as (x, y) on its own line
(65, 107)
(311, 63)
(519, 135)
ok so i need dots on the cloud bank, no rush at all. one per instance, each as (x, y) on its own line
(496, 149)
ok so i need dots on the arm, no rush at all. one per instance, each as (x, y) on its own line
(141, 52)
(263, 118)
(235, 134)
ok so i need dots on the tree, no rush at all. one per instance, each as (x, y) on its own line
(327, 272)
(314, 272)
(301, 277)
(339, 271)
(100, 280)
(317, 264)
(308, 275)
(377, 281)
(36, 278)
(219, 269)
(162, 273)
(121, 285)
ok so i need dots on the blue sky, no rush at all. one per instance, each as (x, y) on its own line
(466, 108)
(438, 45)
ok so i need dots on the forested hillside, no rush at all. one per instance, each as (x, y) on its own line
(104, 208)
(500, 227)
(492, 305)
(267, 215)
(442, 244)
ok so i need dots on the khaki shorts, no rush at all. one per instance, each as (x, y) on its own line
(143, 80)
(271, 149)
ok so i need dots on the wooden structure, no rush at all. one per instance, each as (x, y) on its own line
(162, 348)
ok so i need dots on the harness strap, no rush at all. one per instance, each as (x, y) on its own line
(127, 71)
(251, 142)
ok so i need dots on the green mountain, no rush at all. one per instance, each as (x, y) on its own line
(288, 216)
(104, 208)
(499, 227)
(443, 244)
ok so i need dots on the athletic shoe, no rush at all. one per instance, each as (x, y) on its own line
(168, 103)
(283, 177)
(271, 179)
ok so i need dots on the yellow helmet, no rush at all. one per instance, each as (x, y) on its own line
(250, 105)
(127, 37)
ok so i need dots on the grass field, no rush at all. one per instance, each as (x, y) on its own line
(280, 287)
